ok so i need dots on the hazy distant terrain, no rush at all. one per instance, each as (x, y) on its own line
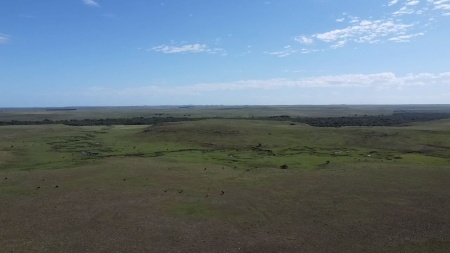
(51, 113)
(224, 179)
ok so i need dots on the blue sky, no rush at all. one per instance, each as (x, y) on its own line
(142, 52)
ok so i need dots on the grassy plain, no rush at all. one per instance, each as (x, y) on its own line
(216, 186)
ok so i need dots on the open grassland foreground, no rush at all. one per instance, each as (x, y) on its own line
(225, 186)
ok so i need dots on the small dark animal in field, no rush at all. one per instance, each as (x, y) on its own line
(12, 146)
(328, 162)
(5, 178)
(56, 186)
(204, 169)
(124, 179)
(283, 167)
(37, 188)
(43, 179)
(222, 192)
(207, 195)
(181, 191)
(165, 190)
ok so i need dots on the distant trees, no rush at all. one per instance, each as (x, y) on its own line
(397, 118)
(102, 122)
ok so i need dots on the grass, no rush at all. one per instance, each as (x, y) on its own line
(216, 185)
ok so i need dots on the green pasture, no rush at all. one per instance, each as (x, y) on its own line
(240, 144)
(185, 185)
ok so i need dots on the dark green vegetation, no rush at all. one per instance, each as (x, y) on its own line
(225, 185)
(396, 115)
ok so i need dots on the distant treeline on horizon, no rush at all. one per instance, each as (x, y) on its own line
(398, 118)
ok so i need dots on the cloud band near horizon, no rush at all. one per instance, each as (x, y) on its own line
(385, 80)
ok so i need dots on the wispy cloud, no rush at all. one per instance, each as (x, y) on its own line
(91, 3)
(402, 24)
(405, 38)
(385, 80)
(405, 10)
(4, 39)
(393, 2)
(187, 48)
(287, 50)
(304, 40)
(412, 2)
(365, 32)
(378, 80)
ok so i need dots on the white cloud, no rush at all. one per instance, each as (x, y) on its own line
(443, 7)
(4, 39)
(91, 3)
(405, 38)
(365, 31)
(411, 7)
(437, 2)
(412, 2)
(393, 2)
(405, 10)
(309, 50)
(385, 80)
(188, 48)
(411, 19)
(287, 50)
(354, 20)
(304, 40)
(339, 44)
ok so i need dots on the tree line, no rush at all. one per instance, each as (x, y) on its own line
(396, 119)
(101, 122)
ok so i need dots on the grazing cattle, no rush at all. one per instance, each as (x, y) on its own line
(222, 192)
